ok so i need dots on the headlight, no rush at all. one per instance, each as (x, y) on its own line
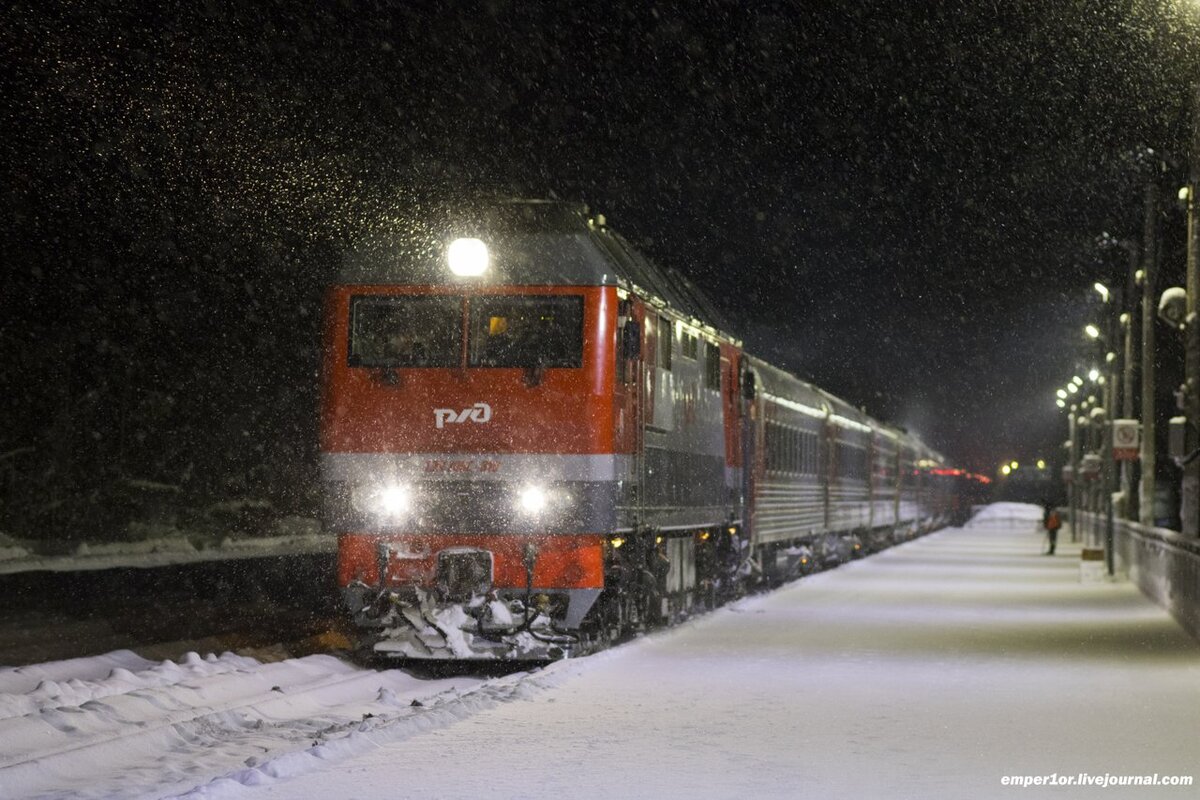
(388, 501)
(533, 500)
(393, 500)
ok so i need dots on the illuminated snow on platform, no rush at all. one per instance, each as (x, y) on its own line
(931, 670)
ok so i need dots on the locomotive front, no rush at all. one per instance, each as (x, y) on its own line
(468, 456)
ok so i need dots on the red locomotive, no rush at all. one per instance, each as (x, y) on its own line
(534, 441)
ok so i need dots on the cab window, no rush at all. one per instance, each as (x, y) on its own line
(526, 331)
(405, 331)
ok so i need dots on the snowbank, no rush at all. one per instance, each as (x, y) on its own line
(171, 548)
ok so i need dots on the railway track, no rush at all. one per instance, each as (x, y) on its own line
(121, 725)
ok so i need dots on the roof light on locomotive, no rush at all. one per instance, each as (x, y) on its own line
(467, 258)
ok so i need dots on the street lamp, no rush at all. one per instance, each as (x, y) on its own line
(1092, 331)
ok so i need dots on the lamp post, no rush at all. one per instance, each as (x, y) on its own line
(1104, 421)
(1127, 412)
(1149, 273)
(1073, 495)
(1122, 403)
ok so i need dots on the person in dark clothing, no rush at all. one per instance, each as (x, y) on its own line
(1051, 522)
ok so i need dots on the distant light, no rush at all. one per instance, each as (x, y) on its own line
(1102, 289)
(1110, 357)
(467, 257)
(1078, 381)
(1062, 394)
(1061, 403)
(1185, 192)
(1093, 374)
(1092, 331)
(1072, 388)
(1125, 318)
(1041, 463)
(1013, 465)
(1139, 276)
(1005, 469)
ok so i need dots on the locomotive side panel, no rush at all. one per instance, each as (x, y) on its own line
(686, 481)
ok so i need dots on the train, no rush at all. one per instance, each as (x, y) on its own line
(535, 442)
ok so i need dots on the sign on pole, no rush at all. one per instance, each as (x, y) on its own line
(1127, 439)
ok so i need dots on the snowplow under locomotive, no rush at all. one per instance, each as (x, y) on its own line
(535, 441)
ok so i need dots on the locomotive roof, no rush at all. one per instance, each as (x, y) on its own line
(531, 242)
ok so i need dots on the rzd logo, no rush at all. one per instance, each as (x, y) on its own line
(480, 412)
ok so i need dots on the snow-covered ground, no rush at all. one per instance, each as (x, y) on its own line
(931, 670)
(120, 725)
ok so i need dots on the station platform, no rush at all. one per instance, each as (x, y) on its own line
(945, 667)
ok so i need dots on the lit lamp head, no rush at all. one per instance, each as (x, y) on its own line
(533, 500)
(1092, 331)
(467, 258)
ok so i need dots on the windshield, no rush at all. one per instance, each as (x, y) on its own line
(423, 331)
(526, 331)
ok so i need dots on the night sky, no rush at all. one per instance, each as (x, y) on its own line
(898, 201)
